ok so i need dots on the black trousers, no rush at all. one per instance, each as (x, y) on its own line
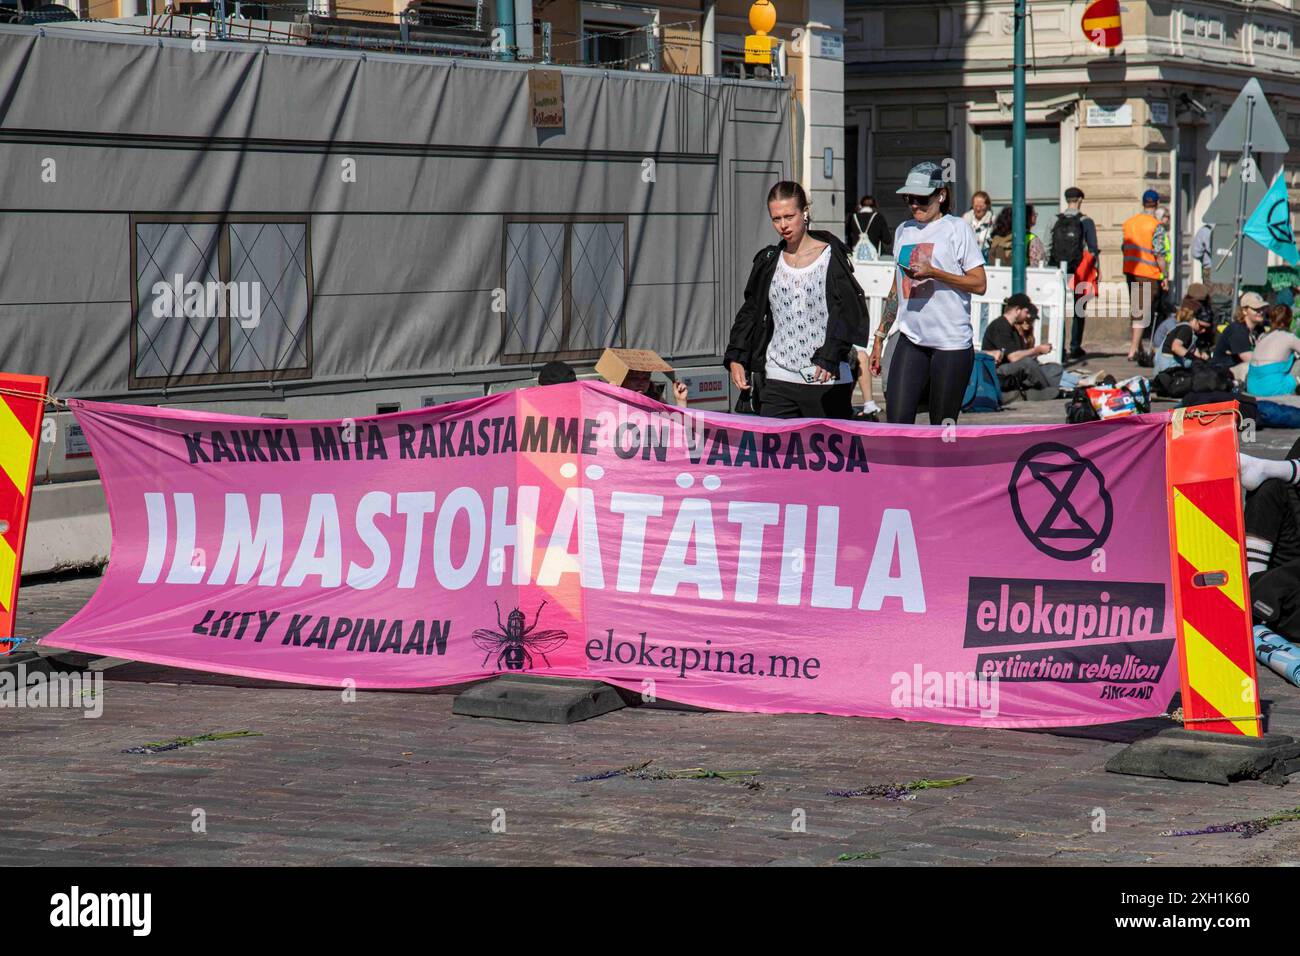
(796, 400)
(915, 368)
(1273, 513)
(1076, 332)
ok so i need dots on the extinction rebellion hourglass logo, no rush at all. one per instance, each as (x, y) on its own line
(1060, 502)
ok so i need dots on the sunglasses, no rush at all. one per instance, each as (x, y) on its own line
(919, 200)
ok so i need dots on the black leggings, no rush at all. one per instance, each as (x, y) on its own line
(913, 368)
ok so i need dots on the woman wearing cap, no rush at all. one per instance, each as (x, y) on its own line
(803, 313)
(1236, 346)
(939, 267)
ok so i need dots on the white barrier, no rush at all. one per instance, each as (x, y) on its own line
(1046, 287)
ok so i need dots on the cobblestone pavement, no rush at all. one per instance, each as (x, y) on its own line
(395, 778)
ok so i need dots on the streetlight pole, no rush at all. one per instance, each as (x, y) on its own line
(1018, 247)
(506, 24)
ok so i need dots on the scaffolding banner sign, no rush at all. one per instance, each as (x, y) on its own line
(546, 92)
(1000, 576)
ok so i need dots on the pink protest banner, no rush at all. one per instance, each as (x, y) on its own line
(999, 576)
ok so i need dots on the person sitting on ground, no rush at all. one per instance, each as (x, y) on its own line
(1280, 316)
(1236, 346)
(1273, 361)
(1010, 340)
(1180, 345)
(554, 373)
(656, 391)
(1272, 520)
(1198, 299)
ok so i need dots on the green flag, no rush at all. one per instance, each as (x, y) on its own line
(1270, 223)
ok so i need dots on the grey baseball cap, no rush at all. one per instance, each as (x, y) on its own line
(922, 180)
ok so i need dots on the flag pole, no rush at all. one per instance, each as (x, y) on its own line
(1018, 224)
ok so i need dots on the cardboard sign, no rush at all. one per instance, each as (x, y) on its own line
(630, 368)
(546, 92)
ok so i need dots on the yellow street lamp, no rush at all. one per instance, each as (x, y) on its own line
(758, 45)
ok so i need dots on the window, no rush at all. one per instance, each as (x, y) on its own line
(733, 64)
(1042, 171)
(621, 37)
(1202, 27)
(219, 299)
(565, 282)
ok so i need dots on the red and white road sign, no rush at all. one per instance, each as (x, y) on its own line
(1101, 23)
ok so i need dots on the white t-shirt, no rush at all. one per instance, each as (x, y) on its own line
(929, 312)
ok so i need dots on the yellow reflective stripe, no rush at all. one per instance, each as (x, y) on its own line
(1207, 547)
(15, 448)
(1222, 683)
(7, 569)
(1100, 23)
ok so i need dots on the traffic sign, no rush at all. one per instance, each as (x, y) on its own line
(1227, 204)
(1101, 24)
(1265, 135)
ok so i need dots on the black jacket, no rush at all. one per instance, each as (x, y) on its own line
(846, 307)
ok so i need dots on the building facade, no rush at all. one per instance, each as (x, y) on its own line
(933, 80)
(692, 37)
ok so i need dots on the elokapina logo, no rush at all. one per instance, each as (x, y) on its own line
(1060, 501)
(514, 644)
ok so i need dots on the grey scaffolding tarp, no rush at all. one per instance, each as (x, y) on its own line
(120, 150)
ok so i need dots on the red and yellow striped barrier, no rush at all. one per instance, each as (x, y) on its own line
(1211, 590)
(22, 407)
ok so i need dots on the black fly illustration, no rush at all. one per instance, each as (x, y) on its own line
(512, 642)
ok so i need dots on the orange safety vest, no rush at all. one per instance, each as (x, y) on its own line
(1140, 256)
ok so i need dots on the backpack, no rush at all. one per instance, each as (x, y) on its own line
(1078, 408)
(1000, 250)
(1173, 382)
(1212, 378)
(1067, 241)
(983, 392)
